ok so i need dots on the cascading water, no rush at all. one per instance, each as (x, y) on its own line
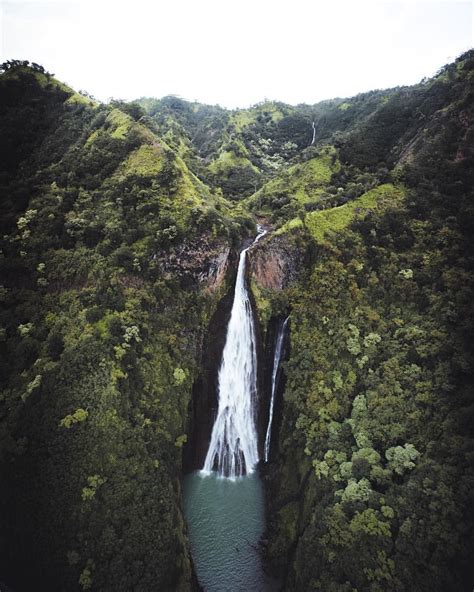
(226, 516)
(275, 375)
(233, 449)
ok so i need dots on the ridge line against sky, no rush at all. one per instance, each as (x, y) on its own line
(236, 53)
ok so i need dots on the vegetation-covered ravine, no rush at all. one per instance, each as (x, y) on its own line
(120, 232)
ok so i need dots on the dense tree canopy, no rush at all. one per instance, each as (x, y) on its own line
(115, 220)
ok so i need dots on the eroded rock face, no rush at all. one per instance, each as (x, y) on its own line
(213, 278)
(274, 262)
(202, 261)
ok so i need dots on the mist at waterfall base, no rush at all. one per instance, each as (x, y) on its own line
(224, 503)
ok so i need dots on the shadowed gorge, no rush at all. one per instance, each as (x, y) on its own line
(131, 313)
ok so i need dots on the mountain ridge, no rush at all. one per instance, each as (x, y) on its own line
(121, 225)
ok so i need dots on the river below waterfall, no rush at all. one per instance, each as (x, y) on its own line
(226, 520)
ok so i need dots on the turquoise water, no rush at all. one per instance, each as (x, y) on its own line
(226, 520)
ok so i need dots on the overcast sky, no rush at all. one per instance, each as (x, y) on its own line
(236, 52)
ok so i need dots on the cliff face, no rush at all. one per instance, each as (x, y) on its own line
(201, 261)
(275, 262)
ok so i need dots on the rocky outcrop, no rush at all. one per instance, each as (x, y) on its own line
(200, 261)
(274, 262)
(213, 277)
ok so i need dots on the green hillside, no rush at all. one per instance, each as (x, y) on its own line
(99, 339)
(120, 229)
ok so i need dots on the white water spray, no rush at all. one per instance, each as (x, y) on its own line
(233, 450)
(276, 367)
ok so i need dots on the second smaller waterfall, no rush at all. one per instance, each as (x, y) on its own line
(275, 376)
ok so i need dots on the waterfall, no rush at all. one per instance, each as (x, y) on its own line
(276, 367)
(233, 450)
(314, 135)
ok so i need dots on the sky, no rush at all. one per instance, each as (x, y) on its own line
(236, 52)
